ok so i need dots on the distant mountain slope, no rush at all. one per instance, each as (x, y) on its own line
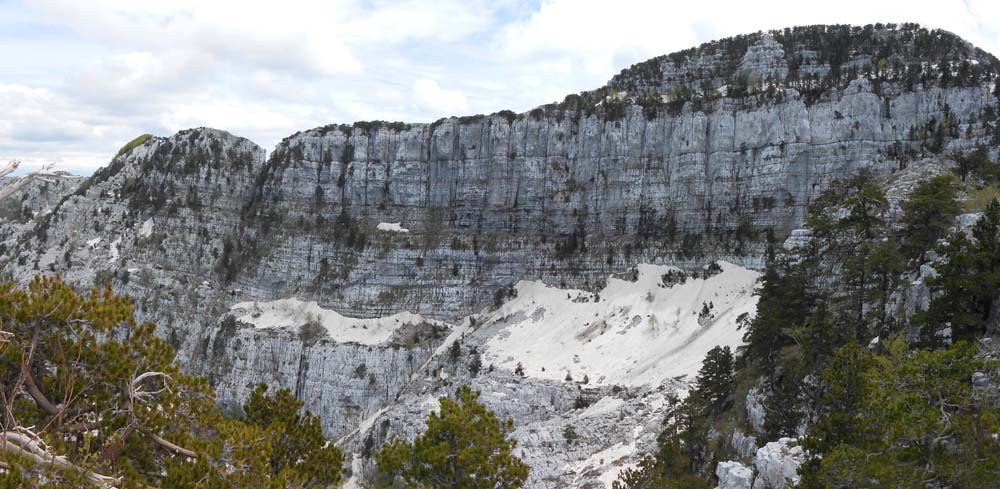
(709, 154)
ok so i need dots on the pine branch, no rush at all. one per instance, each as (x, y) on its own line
(26, 444)
(173, 448)
(19, 182)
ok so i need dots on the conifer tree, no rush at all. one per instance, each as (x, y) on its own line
(715, 379)
(785, 303)
(465, 446)
(906, 419)
(91, 397)
(927, 215)
(476, 364)
(300, 453)
(677, 461)
(845, 391)
(968, 282)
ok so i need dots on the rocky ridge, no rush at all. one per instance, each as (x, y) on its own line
(701, 156)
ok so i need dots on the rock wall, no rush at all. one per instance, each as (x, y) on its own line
(492, 201)
(708, 154)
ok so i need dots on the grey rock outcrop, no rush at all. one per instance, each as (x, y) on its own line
(745, 446)
(755, 410)
(777, 464)
(708, 154)
(734, 475)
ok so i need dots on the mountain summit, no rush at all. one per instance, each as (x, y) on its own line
(585, 255)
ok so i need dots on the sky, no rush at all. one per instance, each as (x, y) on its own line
(80, 79)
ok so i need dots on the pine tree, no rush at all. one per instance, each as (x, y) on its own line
(975, 164)
(785, 303)
(886, 265)
(94, 377)
(569, 434)
(465, 446)
(851, 245)
(672, 466)
(845, 392)
(927, 215)
(96, 398)
(715, 381)
(987, 253)
(476, 364)
(906, 419)
(300, 454)
(967, 282)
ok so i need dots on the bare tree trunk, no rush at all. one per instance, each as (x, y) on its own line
(993, 322)
(19, 182)
(22, 444)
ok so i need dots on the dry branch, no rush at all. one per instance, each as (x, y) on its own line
(172, 447)
(42, 173)
(25, 444)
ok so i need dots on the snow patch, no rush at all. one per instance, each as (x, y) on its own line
(357, 466)
(293, 313)
(147, 228)
(610, 462)
(113, 250)
(432, 403)
(363, 427)
(370, 421)
(640, 332)
(606, 405)
(392, 227)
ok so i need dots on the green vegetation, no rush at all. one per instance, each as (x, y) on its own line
(569, 434)
(132, 145)
(890, 414)
(979, 198)
(980, 178)
(929, 213)
(715, 380)
(300, 454)
(976, 164)
(905, 418)
(683, 458)
(967, 284)
(93, 398)
(465, 446)
(902, 54)
(669, 468)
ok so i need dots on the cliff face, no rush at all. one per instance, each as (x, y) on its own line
(684, 160)
(575, 191)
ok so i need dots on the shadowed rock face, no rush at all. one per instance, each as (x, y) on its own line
(574, 191)
(698, 156)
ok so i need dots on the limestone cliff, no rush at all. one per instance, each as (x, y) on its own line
(705, 155)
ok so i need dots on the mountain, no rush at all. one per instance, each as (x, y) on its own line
(616, 236)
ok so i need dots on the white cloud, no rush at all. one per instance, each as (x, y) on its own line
(600, 38)
(39, 126)
(439, 20)
(134, 82)
(296, 35)
(430, 97)
(89, 76)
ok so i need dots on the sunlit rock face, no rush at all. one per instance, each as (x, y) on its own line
(477, 231)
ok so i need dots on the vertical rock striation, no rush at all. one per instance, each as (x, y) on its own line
(713, 153)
